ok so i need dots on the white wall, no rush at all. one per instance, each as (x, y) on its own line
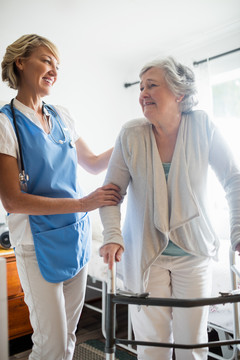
(91, 80)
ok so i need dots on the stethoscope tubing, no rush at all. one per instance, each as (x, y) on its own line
(22, 169)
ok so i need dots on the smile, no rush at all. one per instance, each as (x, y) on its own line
(49, 81)
(147, 103)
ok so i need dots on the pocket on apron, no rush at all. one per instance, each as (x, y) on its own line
(63, 252)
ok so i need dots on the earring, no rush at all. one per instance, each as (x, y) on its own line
(178, 100)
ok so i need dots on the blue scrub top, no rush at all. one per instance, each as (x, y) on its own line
(62, 242)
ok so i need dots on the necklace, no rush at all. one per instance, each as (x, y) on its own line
(50, 127)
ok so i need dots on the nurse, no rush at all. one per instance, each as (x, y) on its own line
(48, 212)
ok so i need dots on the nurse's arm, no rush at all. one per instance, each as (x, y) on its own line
(16, 201)
(89, 161)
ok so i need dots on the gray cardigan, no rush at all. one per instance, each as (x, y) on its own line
(176, 210)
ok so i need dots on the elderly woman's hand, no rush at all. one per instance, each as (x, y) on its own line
(111, 252)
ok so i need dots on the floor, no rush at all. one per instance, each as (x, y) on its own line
(89, 328)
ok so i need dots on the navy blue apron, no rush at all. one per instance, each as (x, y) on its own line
(62, 242)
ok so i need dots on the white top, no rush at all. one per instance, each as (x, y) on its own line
(177, 209)
(19, 226)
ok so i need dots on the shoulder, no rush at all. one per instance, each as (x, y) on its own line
(133, 134)
(136, 127)
(199, 119)
(6, 109)
(140, 123)
(5, 116)
(8, 140)
(62, 111)
(68, 120)
(197, 115)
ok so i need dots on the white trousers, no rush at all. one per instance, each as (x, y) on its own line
(54, 308)
(176, 277)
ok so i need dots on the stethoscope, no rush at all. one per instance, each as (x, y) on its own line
(23, 177)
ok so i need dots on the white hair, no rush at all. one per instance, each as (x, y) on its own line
(179, 78)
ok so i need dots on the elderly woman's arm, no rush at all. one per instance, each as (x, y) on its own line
(118, 174)
(228, 173)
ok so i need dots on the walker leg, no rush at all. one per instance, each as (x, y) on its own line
(104, 295)
(234, 280)
(110, 356)
(110, 347)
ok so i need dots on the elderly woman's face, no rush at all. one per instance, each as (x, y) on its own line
(156, 99)
(38, 72)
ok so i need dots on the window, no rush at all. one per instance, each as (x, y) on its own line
(219, 94)
(226, 106)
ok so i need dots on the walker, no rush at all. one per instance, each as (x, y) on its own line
(125, 298)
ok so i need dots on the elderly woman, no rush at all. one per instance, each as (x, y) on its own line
(168, 242)
(48, 222)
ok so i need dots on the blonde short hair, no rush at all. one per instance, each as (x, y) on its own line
(22, 48)
(179, 78)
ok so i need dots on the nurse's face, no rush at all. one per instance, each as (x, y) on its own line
(38, 73)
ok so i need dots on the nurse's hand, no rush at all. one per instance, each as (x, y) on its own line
(111, 252)
(107, 195)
